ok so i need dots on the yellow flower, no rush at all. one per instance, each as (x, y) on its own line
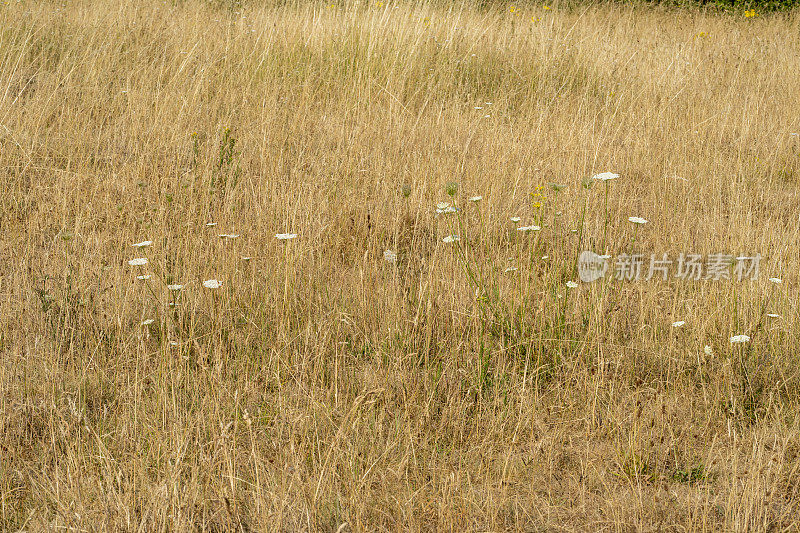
(513, 9)
(547, 8)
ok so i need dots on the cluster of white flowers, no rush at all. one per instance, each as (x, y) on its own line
(390, 256)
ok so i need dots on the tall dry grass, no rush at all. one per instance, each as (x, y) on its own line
(322, 385)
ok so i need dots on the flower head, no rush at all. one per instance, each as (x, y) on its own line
(175, 287)
(528, 228)
(444, 208)
(776, 280)
(147, 322)
(451, 238)
(637, 220)
(228, 235)
(678, 324)
(146, 276)
(738, 339)
(475, 198)
(142, 244)
(212, 284)
(572, 285)
(139, 261)
(389, 256)
(605, 176)
(285, 236)
(515, 220)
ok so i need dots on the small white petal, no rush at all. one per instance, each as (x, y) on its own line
(142, 244)
(139, 261)
(212, 284)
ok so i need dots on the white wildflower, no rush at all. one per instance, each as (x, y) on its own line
(142, 244)
(637, 220)
(389, 256)
(139, 261)
(572, 284)
(451, 238)
(212, 284)
(285, 236)
(737, 339)
(605, 176)
(678, 324)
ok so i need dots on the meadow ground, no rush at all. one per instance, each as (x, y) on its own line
(459, 386)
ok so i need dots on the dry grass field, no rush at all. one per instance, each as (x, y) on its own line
(368, 375)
